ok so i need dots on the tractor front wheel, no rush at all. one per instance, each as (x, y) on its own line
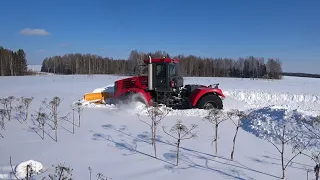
(210, 101)
(137, 97)
(132, 97)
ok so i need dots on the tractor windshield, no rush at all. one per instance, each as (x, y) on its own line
(161, 70)
(173, 70)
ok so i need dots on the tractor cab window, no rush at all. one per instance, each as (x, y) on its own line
(161, 70)
(173, 70)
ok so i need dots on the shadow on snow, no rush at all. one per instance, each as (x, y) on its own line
(189, 158)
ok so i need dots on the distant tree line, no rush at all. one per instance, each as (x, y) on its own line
(249, 67)
(12, 63)
(83, 64)
(301, 75)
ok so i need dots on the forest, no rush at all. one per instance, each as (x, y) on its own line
(13, 63)
(191, 65)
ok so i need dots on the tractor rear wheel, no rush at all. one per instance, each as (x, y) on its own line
(210, 101)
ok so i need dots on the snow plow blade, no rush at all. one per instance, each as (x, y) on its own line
(98, 97)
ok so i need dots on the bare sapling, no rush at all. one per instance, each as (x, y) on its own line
(20, 112)
(156, 114)
(41, 119)
(36, 117)
(78, 107)
(215, 117)
(239, 115)
(283, 139)
(53, 107)
(23, 108)
(181, 132)
(7, 104)
(315, 156)
(90, 173)
(308, 170)
(100, 176)
(79, 111)
(313, 128)
(73, 120)
(62, 172)
(29, 171)
(3, 114)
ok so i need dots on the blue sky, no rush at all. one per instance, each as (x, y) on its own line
(286, 29)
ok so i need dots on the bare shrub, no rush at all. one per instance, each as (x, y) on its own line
(100, 176)
(52, 106)
(156, 114)
(215, 117)
(41, 118)
(313, 127)
(240, 115)
(283, 138)
(7, 104)
(62, 172)
(181, 132)
(3, 114)
(79, 109)
(23, 107)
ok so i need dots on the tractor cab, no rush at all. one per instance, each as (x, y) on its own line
(164, 74)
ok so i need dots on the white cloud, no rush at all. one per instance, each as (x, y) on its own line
(34, 32)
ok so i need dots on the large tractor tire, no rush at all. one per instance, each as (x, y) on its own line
(210, 101)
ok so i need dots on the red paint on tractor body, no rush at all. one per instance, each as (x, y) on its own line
(136, 84)
(162, 60)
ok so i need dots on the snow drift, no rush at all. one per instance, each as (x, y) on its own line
(249, 99)
(256, 98)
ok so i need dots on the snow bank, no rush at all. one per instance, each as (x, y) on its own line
(21, 169)
(257, 98)
(267, 123)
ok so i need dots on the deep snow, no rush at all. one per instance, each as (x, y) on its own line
(113, 141)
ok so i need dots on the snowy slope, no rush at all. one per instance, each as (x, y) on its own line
(113, 141)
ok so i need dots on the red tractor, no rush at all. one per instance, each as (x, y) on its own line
(164, 85)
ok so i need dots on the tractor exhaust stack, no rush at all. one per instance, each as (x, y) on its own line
(150, 83)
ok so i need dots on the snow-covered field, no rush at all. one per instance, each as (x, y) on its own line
(113, 140)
